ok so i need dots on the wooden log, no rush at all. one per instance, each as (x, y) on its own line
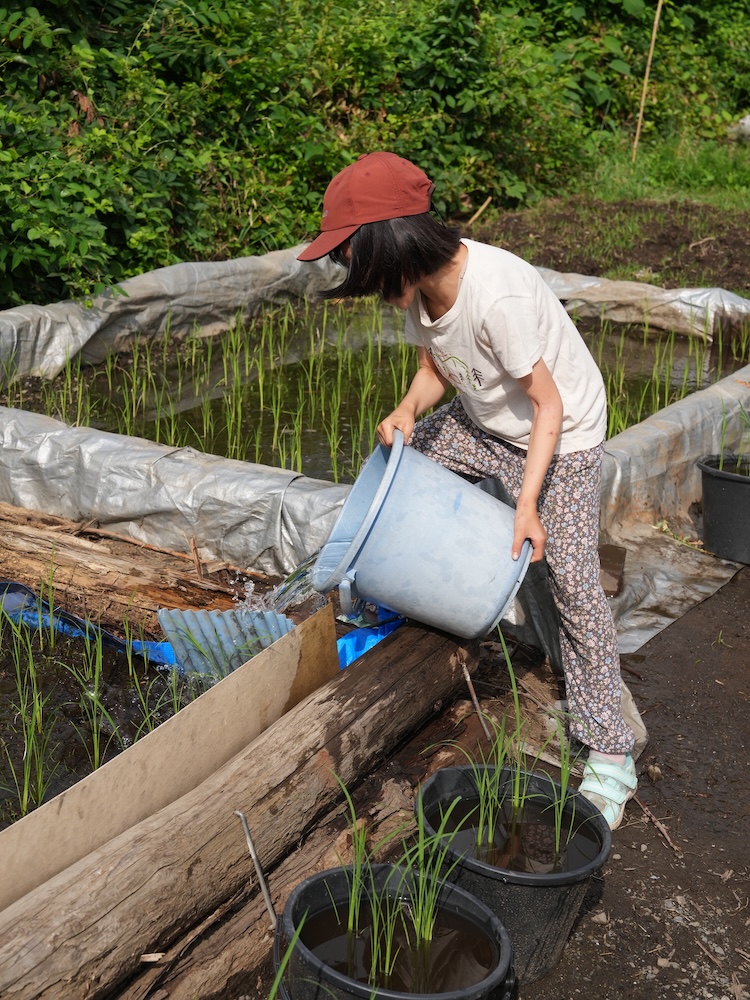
(229, 954)
(82, 934)
(109, 580)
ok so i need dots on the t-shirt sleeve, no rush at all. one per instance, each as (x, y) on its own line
(511, 329)
(411, 336)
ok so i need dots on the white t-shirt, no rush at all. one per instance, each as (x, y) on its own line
(503, 321)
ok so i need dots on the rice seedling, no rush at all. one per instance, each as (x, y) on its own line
(276, 388)
(738, 462)
(362, 893)
(399, 905)
(234, 446)
(96, 718)
(295, 435)
(44, 609)
(426, 860)
(155, 698)
(356, 872)
(32, 775)
(487, 774)
(563, 803)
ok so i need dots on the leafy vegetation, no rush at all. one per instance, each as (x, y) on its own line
(135, 135)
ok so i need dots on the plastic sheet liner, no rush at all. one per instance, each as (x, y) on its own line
(201, 297)
(21, 604)
(207, 298)
(251, 516)
(689, 311)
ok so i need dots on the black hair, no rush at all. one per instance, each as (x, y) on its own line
(386, 256)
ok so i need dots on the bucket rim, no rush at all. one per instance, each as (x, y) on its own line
(523, 562)
(709, 465)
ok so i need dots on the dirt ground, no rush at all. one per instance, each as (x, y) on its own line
(673, 919)
(671, 244)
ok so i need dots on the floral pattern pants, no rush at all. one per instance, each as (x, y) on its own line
(568, 508)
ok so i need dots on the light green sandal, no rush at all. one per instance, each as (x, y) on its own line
(609, 787)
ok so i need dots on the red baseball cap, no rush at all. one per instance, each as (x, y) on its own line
(375, 187)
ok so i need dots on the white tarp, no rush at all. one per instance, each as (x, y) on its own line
(208, 297)
(202, 297)
(689, 311)
(650, 482)
(247, 515)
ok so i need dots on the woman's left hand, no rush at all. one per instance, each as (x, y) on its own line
(528, 525)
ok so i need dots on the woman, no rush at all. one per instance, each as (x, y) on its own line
(529, 410)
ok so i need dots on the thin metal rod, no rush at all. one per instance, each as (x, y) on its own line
(474, 698)
(258, 869)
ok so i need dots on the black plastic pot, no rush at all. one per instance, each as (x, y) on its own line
(307, 977)
(538, 908)
(726, 506)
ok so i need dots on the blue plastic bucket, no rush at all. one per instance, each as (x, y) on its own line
(415, 538)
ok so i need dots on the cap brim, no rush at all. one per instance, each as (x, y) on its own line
(322, 245)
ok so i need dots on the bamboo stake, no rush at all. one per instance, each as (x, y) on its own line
(479, 211)
(475, 700)
(645, 79)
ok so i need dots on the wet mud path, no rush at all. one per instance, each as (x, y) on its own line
(673, 919)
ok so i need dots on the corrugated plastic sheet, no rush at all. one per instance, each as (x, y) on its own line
(217, 642)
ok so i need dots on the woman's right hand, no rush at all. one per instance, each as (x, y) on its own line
(404, 421)
(426, 390)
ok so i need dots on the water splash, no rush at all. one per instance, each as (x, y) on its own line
(296, 588)
(250, 600)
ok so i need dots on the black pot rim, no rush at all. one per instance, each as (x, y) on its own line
(286, 927)
(582, 805)
(709, 465)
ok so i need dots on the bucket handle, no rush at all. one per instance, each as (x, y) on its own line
(350, 608)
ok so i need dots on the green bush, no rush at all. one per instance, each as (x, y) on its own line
(134, 135)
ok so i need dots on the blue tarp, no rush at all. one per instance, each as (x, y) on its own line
(20, 603)
(352, 645)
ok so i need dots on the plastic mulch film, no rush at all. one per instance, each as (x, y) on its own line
(203, 297)
(251, 516)
(689, 311)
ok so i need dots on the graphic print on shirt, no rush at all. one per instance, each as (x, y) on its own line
(456, 371)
